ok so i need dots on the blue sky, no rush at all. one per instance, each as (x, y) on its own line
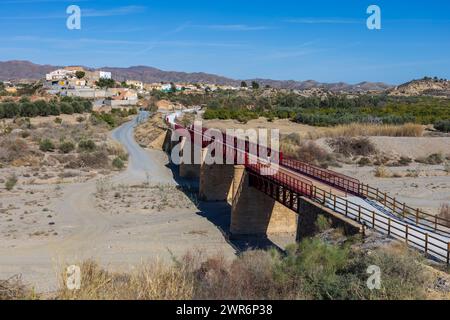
(322, 40)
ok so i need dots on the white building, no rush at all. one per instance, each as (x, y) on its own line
(105, 75)
(59, 74)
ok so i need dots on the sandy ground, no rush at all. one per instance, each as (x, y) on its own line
(45, 227)
(427, 191)
(411, 147)
(66, 118)
(285, 126)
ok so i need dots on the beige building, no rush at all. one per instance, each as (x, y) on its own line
(136, 84)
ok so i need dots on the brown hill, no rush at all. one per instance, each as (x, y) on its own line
(426, 86)
(14, 70)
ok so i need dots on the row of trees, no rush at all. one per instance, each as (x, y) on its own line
(26, 108)
(254, 85)
(327, 111)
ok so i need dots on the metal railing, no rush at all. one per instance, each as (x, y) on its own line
(401, 209)
(343, 182)
(399, 227)
(430, 243)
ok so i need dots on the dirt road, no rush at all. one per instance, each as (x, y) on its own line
(117, 241)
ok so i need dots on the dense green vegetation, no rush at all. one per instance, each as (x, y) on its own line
(106, 83)
(113, 119)
(334, 110)
(26, 108)
(326, 111)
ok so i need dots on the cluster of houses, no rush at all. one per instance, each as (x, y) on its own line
(78, 82)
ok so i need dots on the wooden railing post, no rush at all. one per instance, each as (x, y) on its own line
(407, 232)
(334, 204)
(448, 253)
(389, 226)
(373, 219)
(404, 210)
(417, 216)
(359, 214)
(426, 242)
(346, 207)
(435, 222)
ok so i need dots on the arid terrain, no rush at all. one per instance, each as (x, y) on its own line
(55, 216)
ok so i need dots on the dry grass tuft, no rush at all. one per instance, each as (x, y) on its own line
(293, 146)
(313, 269)
(358, 129)
(382, 172)
(360, 146)
(155, 281)
(14, 289)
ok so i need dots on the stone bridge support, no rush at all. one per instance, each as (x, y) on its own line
(256, 214)
(189, 170)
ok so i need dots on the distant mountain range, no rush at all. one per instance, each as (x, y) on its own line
(15, 70)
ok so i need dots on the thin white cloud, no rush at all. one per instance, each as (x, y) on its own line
(234, 27)
(118, 11)
(324, 21)
(37, 1)
(81, 41)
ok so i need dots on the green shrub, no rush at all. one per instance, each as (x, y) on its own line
(352, 146)
(404, 161)
(87, 145)
(58, 120)
(11, 182)
(364, 161)
(432, 159)
(443, 125)
(118, 163)
(66, 147)
(46, 145)
(322, 223)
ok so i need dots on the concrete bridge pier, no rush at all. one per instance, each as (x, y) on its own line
(168, 144)
(256, 214)
(189, 170)
(216, 180)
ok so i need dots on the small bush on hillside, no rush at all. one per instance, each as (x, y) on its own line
(293, 147)
(443, 125)
(364, 161)
(382, 172)
(66, 147)
(118, 163)
(58, 120)
(87, 145)
(12, 149)
(97, 159)
(404, 161)
(432, 159)
(347, 146)
(11, 182)
(46, 145)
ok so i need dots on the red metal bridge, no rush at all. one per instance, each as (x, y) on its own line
(291, 180)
